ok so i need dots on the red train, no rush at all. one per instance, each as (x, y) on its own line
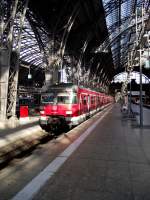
(67, 105)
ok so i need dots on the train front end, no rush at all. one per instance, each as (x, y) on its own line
(58, 106)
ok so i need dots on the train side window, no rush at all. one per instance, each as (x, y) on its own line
(74, 99)
(92, 100)
(88, 99)
(84, 100)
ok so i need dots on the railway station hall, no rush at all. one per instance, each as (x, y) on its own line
(75, 100)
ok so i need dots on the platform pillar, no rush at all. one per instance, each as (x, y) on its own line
(4, 76)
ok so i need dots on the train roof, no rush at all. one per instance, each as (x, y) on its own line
(74, 87)
(62, 85)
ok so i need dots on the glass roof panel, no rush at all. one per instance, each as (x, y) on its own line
(134, 75)
(30, 47)
(118, 18)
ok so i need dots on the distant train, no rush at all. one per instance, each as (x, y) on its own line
(67, 105)
(31, 101)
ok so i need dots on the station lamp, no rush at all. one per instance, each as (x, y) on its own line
(29, 74)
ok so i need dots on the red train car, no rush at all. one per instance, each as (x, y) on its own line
(66, 105)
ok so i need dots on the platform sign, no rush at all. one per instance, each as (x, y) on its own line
(136, 93)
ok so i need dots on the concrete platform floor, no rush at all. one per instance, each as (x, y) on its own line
(112, 163)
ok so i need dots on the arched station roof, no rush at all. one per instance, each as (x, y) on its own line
(87, 32)
(97, 34)
(71, 28)
(121, 77)
(124, 23)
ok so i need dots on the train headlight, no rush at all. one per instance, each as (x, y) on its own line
(68, 112)
(42, 112)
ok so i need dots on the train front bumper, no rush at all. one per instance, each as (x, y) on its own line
(43, 120)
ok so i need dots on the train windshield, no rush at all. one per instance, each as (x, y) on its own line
(48, 98)
(26, 101)
(59, 98)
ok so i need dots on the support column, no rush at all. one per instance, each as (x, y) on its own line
(51, 77)
(141, 92)
(4, 76)
(56, 75)
(12, 86)
(14, 63)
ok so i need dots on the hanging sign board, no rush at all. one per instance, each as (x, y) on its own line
(137, 93)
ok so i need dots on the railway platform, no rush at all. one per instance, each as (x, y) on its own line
(109, 161)
(22, 137)
(14, 141)
(146, 114)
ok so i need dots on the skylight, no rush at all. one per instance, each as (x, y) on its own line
(134, 75)
(31, 50)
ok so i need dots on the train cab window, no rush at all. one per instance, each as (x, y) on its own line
(63, 99)
(47, 98)
(58, 98)
(66, 99)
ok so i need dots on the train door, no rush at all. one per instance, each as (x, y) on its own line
(83, 103)
(97, 101)
(94, 102)
(80, 103)
(88, 103)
